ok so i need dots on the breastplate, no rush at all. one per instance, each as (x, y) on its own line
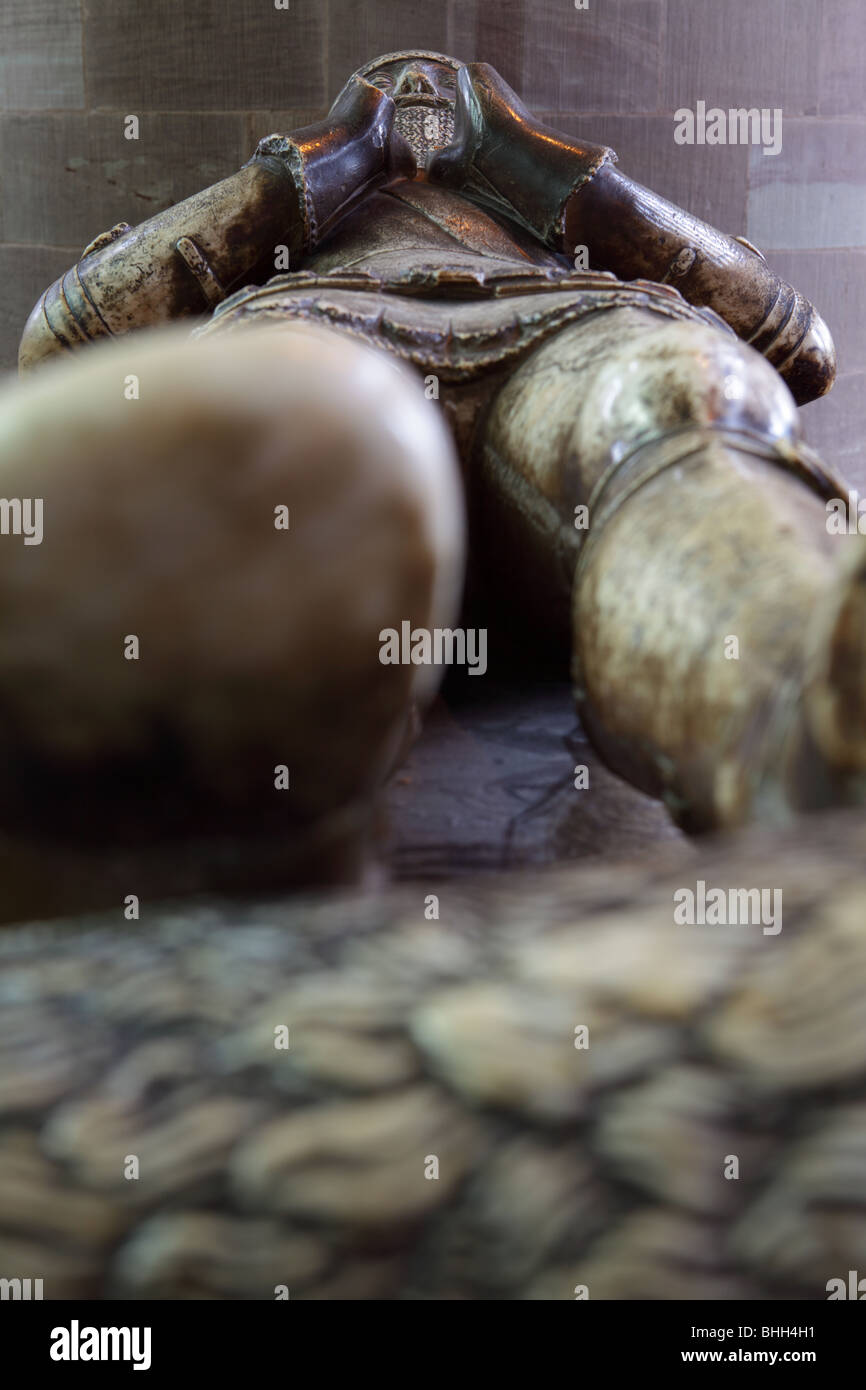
(417, 224)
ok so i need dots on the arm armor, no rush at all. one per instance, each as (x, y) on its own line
(186, 260)
(570, 194)
(179, 263)
(636, 234)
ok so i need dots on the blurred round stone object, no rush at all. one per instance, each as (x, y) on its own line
(226, 527)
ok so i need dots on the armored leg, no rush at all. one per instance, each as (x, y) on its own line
(190, 663)
(658, 466)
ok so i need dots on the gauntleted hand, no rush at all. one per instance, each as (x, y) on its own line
(363, 111)
(487, 116)
(451, 166)
(356, 142)
(505, 159)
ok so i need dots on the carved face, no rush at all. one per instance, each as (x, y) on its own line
(424, 90)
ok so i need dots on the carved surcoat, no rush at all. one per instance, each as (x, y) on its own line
(429, 276)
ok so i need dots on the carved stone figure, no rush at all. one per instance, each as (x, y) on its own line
(621, 381)
(430, 225)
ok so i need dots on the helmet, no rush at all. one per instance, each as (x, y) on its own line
(423, 86)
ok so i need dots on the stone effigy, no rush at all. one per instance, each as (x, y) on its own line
(621, 382)
(583, 1054)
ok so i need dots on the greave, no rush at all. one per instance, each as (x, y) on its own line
(694, 592)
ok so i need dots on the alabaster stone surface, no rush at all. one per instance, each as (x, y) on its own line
(162, 472)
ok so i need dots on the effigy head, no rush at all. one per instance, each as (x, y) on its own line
(423, 87)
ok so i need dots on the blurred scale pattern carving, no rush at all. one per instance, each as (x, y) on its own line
(413, 1040)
